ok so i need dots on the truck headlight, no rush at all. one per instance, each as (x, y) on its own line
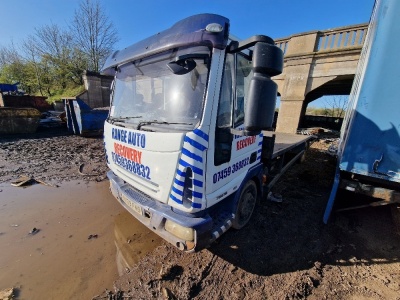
(184, 233)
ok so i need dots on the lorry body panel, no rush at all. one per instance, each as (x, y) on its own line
(374, 130)
(369, 149)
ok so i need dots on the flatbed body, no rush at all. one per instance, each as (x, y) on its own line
(285, 142)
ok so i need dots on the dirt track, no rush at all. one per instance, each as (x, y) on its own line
(286, 252)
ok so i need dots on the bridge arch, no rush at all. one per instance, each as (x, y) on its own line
(316, 63)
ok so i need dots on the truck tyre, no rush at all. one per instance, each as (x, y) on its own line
(247, 202)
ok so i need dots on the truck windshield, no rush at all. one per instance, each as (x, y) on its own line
(147, 93)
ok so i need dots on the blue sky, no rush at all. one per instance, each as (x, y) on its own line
(137, 19)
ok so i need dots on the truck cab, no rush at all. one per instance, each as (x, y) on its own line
(184, 136)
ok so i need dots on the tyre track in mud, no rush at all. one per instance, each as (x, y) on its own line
(197, 287)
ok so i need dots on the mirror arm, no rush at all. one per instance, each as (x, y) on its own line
(236, 46)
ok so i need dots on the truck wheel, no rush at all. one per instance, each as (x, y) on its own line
(246, 204)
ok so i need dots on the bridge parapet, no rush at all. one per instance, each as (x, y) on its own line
(326, 40)
(344, 37)
(282, 44)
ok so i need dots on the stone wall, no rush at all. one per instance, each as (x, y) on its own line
(97, 88)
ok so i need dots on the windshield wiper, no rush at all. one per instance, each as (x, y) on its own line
(121, 119)
(143, 123)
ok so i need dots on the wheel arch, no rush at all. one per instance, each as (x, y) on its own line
(255, 174)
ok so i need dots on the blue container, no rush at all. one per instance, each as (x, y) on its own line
(83, 120)
(370, 144)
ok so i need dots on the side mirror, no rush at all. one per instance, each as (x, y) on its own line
(261, 100)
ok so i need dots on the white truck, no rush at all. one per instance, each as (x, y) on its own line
(185, 137)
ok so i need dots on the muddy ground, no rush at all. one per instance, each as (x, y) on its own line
(286, 252)
(52, 154)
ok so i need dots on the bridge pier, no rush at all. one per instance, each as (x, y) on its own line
(298, 62)
(290, 113)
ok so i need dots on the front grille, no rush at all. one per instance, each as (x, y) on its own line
(137, 195)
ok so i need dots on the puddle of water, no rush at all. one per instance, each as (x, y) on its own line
(133, 241)
(59, 261)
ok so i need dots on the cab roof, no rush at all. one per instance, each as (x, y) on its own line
(187, 32)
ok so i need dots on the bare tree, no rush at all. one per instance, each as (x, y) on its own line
(9, 54)
(53, 41)
(336, 106)
(55, 47)
(53, 58)
(94, 34)
(57, 63)
(31, 53)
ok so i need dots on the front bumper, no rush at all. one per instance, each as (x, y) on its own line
(154, 214)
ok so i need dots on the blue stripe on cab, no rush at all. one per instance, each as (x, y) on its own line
(192, 155)
(195, 169)
(197, 194)
(201, 134)
(180, 173)
(198, 183)
(196, 205)
(175, 199)
(195, 144)
(177, 191)
(178, 182)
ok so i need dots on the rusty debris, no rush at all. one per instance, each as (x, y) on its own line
(22, 180)
(93, 236)
(7, 294)
(34, 231)
(26, 181)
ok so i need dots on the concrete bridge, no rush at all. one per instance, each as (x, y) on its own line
(316, 63)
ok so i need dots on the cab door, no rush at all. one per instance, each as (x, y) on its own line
(233, 154)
